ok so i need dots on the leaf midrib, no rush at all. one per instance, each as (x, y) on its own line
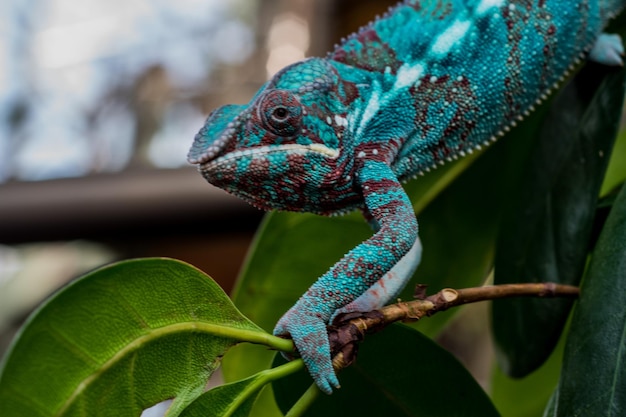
(219, 330)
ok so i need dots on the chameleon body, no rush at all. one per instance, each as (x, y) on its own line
(426, 83)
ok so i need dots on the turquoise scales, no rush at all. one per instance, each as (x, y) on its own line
(427, 83)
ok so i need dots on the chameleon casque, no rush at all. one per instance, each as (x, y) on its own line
(430, 81)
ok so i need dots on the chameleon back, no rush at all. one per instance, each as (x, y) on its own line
(473, 68)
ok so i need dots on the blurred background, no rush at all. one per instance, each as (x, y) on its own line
(99, 103)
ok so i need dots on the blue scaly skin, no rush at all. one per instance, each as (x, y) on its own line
(428, 82)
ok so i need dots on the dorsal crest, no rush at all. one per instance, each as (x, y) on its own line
(314, 74)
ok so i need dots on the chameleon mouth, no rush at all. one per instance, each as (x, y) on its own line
(218, 131)
(226, 160)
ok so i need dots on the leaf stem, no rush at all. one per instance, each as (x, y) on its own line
(304, 402)
(283, 370)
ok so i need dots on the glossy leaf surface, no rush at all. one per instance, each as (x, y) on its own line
(121, 339)
(527, 397)
(545, 236)
(399, 372)
(237, 398)
(593, 379)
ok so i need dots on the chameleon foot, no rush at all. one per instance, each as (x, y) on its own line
(608, 50)
(309, 335)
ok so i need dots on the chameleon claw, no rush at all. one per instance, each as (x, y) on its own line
(327, 385)
(310, 337)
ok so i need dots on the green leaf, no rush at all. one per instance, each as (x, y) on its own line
(616, 171)
(545, 236)
(399, 372)
(121, 339)
(236, 399)
(551, 406)
(593, 379)
(527, 397)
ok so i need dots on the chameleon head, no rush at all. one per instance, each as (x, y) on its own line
(281, 150)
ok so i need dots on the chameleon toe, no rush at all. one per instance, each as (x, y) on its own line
(310, 337)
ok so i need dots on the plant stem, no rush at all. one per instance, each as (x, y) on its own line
(350, 325)
(283, 370)
(448, 297)
(345, 338)
(304, 402)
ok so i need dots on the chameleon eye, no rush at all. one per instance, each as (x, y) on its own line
(280, 112)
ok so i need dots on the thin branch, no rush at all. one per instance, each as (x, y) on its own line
(304, 402)
(349, 329)
(447, 298)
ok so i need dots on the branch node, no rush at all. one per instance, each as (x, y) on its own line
(339, 362)
(449, 295)
(414, 311)
(420, 291)
(549, 290)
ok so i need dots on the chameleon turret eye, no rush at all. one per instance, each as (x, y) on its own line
(280, 112)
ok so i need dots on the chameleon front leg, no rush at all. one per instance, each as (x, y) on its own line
(355, 273)
(389, 286)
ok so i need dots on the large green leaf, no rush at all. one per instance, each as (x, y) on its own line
(399, 372)
(616, 171)
(527, 397)
(545, 236)
(237, 398)
(593, 379)
(121, 339)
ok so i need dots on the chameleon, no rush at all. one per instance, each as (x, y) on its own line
(428, 82)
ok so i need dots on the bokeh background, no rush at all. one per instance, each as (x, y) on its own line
(99, 103)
